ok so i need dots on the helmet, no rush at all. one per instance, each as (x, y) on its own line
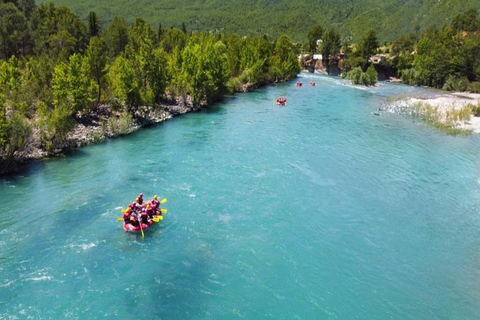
(128, 210)
(137, 199)
(155, 197)
(148, 206)
(140, 195)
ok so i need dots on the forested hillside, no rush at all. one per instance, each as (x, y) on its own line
(353, 18)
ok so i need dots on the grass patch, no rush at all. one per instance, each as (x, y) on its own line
(120, 125)
(447, 123)
(449, 128)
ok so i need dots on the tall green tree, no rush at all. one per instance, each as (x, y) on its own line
(124, 85)
(173, 38)
(27, 7)
(10, 75)
(93, 24)
(139, 32)
(331, 44)
(315, 34)
(285, 62)
(13, 28)
(15, 131)
(466, 21)
(55, 125)
(71, 85)
(96, 58)
(204, 70)
(159, 32)
(59, 30)
(234, 46)
(116, 36)
(153, 72)
(404, 45)
(369, 44)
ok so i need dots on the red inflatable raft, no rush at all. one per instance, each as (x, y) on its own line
(128, 227)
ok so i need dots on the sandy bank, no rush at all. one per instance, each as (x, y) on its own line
(447, 108)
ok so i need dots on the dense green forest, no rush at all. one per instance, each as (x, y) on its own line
(447, 57)
(57, 70)
(352, 18)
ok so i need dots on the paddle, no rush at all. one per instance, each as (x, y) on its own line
(139, 218)
(163, 200)
(122, 211)
(157, 218)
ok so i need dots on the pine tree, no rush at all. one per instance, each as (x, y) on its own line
(93, 24)
(159, 32)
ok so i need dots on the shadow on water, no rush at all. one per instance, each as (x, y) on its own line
(34, 167)
(179, 296)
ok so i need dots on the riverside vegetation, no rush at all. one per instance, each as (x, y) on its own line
(58, 72)
(446, 57)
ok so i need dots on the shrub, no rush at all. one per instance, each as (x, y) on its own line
(357, 76)
(456, 84)
(245, 76)
(364, 79)
(372, 75)
(475, 110)
(55, 125)
(474, 87)
(120, 125)
(354, 75)
(234, 85)
(410, 76)
(465, 114)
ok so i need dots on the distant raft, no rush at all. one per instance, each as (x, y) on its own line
(281, 101)
(299, 84)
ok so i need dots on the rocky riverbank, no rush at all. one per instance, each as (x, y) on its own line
(98, 127)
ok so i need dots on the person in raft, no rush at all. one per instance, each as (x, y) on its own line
(138, 204)
(156, 206)
(144, 216)
(130, 217)
(149, 211)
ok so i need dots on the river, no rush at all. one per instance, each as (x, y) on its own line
(316, 210)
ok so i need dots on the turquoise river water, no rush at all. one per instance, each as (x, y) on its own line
(316, 210)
